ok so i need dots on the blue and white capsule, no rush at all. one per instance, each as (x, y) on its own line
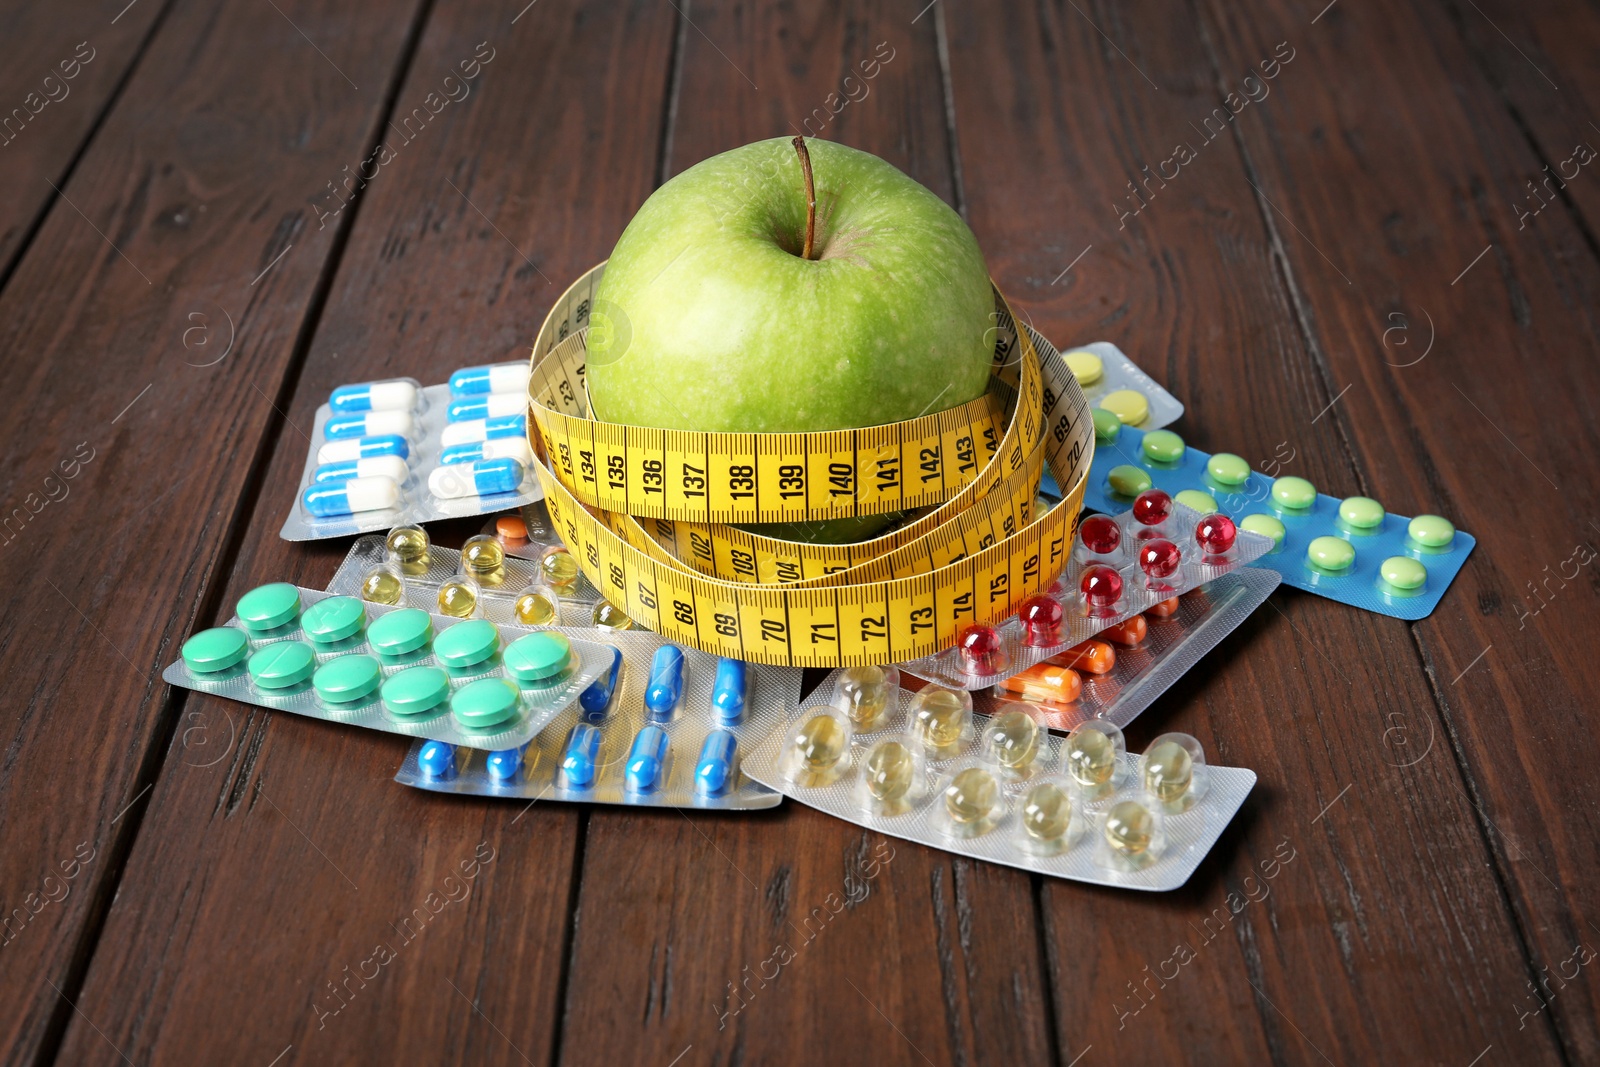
(595, 701)
(493, 378)
(483, 478)
(666, 682)
(333, 499)
(718, 768)
(646, 760)
(730, 690)
(504, 765)
(488, 406)
(373, 467)
(581, 755)
(500, 448)
(461, 433)
(437, 759)
(395, 394)
(364, 448)
(367, 424)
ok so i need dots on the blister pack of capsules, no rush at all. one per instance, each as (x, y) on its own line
(668, 727)
(1349, 550)
(389, 452)
(395, 669)
(924, 767)
(1119, 567)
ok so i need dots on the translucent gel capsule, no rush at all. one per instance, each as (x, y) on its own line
(1101, 587)
(1093, 753)
(458, 597)
(409, 547)
(1215, 534)
(971, 798)
(1152, 507)
(1133, 836)
(863, 692)
(940, 718)
(979, 650)
(1047, 817)
(535, 606)
(560, 568)
(1100, 534)
(816, 748)
(1174, 774)
(888, 774)
(1041, 618)
(1011, 740)
(484, 560)
(1159, 559)
(607, 616)
(383, 584)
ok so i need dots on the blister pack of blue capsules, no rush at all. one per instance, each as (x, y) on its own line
(389, 452)
(394, 669)
(1349, 550)
(665, 727)
(925, 767)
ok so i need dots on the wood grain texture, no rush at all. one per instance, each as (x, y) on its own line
(264, 907)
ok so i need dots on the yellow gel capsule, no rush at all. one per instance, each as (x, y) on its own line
(820, 742)
(1168, 771)
(458, 598)
(484, 559)
(383, 585)
(940, 717)
(534, 608)
(1130, 829)
(889, 772)
(607, 616)
(1047, 812)
(408, 546)
(1091, 757)
(970, 797)
(1014, 740)
(864, 694)
(559, 567)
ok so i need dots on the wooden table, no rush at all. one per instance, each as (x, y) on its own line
(1358, 241)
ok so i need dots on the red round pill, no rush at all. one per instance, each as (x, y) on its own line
(1100, 534)
(1151, 507)
(980, 650)
(1216, 533)
(1041, 621)
(1102, 588)
(1159, 558)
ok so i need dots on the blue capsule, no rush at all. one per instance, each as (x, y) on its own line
(728, 691)
(503, 765)
(331, 499)
(596, 700)
(395, 395)
(364, 448)
(343, 471)
(580, 756)
(495, 378)
(483, 478)
(462, 433)
(487, 406)
(719, 763)
(367, 424)
(666, 681)
(437, 759)
(647, 759)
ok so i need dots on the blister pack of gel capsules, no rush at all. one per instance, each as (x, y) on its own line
(1002, 788)
(667, 727)
(1348, 550)
(481, 580)
(395, 669)
(1120, 671)
(389, 452)
(1119, 567)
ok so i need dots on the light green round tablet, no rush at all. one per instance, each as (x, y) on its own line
(1204, 503)
(1403, 573)
(1106, 426)
(1128, 405)
(415, 690)
(1331, 554)
(346, 679)
(1163, 446)
(215, 649)
(1266, 526)
(1225, 468)
(334, 619)
(1085, 366)
(484, 703)
(400, 632)
(1361, 512)
(1432, 531)
(282, 664)
(539, 657)
(1126, 480)
(266, 607)
(1294, 493)
(466, 644)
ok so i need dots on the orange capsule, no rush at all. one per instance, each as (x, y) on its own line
(1044, 683)
(1167, 607)
(1127, 633)
(1096, 657)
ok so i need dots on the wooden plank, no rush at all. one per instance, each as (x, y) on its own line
(235, 905)
(789, 935)
(1351, 915)
(143, 351)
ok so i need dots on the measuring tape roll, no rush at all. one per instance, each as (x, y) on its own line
(645, 511)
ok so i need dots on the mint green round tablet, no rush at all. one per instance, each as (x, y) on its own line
(1361, 512)
(1204, 503)
(333, 619)
(484, 703)
(1403, 572)
(345, 679)
(1266, 526)
(537, 657)
(466, 644)
(282, 664)
(266, 607)
(1332, 554)
(400, 632)
(415, 690)
(1106, 426)
(1162, 446)
(1225, 468)
(215, 649)
(1127, 480)
(1431, 531)
(1297, 494)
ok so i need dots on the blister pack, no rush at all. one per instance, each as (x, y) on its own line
(1348, 550)
(395, 669)
(1119, 567)
(1002, 788)
(389, 452)
(1114, 383)
(669, 736)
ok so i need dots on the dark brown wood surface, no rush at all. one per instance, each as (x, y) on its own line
(1352, 279)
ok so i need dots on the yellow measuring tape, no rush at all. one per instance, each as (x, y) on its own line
(645, 511)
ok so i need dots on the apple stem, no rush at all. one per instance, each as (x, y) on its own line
(811, 196)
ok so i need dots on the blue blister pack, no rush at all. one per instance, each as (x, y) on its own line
(1421, 555)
